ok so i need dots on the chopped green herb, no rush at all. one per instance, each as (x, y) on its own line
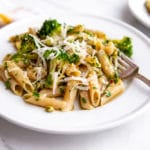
(83, 99)
(107, 93)
(94, 87)
(7, 83)
(49, 80)
(116, 76)
(114, 79)
(71, 41)
(75, 30)
(89, 33)
(72, 30)
(93, 61)
(105, 42)
(36, 94)
(5, 65)
(25, 61)
(74, 58)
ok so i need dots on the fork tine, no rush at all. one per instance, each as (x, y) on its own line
(130, 71)
(127, 60)
(121, 68)
(126, 67)
(123, 63)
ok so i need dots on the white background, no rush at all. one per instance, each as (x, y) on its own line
(134, 135)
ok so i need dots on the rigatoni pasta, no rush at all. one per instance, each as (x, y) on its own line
(94, 89)
(44, 101)
(112, 91)
(10, 82)
(85, 100)
(59, 64)
(70, 94)
(106, 65)
(19, 75)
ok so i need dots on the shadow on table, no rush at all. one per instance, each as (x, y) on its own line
(15, 135)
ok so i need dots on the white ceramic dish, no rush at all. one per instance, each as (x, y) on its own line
(131, 103)
(139, 11)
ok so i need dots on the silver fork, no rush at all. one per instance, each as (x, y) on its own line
(128, 69)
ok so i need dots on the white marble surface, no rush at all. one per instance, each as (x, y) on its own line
(134, 135)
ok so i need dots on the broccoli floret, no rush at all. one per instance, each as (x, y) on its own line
(49, 27)
(47, 53)
(73, 58)
(27, 43)
(124, 45)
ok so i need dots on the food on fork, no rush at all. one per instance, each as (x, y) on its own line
(147, 5)
(59, 64)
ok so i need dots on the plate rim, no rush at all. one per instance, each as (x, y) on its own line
(113, 124)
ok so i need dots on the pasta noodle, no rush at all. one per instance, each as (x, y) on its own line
(12, 84)
(114, 90)
(19, 76)
(59, 64)
(49, 93)
(107, 67)
(70, 94)
(71, 70)
(94, 89)
(85, 100)
(45, 101)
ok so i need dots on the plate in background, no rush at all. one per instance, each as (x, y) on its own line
(138, 9)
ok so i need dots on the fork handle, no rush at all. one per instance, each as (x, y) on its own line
(143, 78)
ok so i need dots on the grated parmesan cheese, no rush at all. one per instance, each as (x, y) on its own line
(55, 79)
(83, 80)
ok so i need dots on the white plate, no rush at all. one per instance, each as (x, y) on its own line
(134, 100)
(139, 11)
